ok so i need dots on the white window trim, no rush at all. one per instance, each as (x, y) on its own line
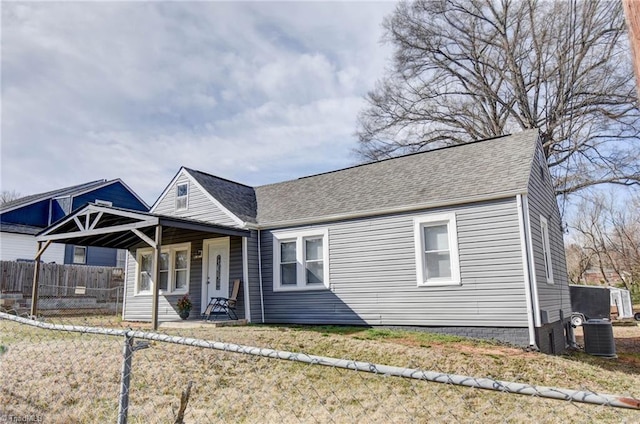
(299, 237)
(186, 197)
(419, 223)
(546, 250)
(171, 250)
(73, 259)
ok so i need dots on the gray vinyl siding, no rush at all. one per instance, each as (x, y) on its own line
(254, 277)
(373, 274)
(138, 307)
(199, 205)
(542, 201)
(235, 272)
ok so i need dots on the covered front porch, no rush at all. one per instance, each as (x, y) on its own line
(184, 256)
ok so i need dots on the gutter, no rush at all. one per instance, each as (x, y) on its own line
(382, 211)
(124, 286)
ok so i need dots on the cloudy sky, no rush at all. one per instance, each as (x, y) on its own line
(256, 92)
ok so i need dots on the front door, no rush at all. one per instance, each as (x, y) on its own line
(216, 269)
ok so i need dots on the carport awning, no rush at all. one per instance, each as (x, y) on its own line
(107, 226)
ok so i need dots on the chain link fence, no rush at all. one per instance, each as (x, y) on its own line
(98, 369)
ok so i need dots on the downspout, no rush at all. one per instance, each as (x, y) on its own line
(527, 270)
(124, 288)
(260, 275)
(532, 264)
(156, 277)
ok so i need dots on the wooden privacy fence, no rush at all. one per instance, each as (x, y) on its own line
(60, 280)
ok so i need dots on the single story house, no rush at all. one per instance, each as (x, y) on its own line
(465, 240)
(21, 219)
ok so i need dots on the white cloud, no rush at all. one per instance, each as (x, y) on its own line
(256, 92)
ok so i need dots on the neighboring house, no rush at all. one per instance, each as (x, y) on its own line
(464, 240)
(606, 276)
(22, 219)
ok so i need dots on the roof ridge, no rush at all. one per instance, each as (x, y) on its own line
(406, 155)
(215, 176)
(396, 157)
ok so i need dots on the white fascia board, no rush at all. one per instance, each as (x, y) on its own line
(90, 208)
(166, 189)
(107, 230)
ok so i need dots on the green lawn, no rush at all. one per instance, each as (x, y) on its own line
(70, 377)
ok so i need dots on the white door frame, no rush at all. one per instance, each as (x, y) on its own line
(221, 242)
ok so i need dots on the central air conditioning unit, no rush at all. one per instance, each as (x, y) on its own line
(598, 338)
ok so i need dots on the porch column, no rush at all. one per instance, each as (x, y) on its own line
(36, 278)
(156, 276)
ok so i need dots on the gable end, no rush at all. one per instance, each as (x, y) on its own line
(200, 204)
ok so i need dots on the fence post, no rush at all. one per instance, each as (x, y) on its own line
(127, 352)
(123, 406)
(117, 299)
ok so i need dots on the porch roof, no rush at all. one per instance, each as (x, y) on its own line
(108, 226)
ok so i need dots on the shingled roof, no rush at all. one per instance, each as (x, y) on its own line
(27, 200)
(238, 198)
(457, 174)
(463, 173)
(19, 229)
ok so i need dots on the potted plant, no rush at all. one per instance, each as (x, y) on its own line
(184, 306)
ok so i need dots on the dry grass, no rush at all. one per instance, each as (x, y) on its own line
(69, 377)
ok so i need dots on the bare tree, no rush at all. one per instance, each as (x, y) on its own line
(632, 12)
(470, 69)
(578, 262)
(8, 195)
(609, 236)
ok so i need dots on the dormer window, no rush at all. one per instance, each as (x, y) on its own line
(182, 192)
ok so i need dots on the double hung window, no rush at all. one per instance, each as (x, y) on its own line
(300, 260)
(436, 244)
(173, 269)
(182, 193)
